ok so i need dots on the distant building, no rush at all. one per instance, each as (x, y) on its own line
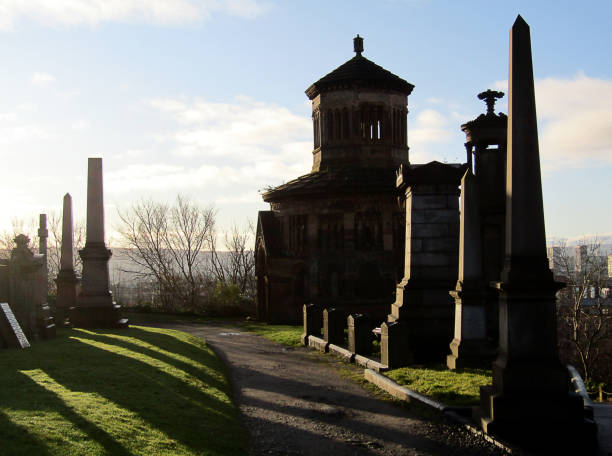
(555, 260)
(610, 266)
(580, 257)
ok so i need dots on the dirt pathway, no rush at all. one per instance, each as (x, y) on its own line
(295, 402)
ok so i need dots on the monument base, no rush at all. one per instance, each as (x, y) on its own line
(97, 316)
(67, 285)
(427, 313)
(470, 353)
(550, 424)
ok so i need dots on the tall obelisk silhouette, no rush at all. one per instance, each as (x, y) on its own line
(529, 402)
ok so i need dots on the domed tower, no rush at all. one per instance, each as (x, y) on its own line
(335, 236)
(359, 115)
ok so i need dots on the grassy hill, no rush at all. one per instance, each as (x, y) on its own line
(117, 392)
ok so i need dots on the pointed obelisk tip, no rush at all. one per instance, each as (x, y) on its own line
(520, 22)
(67, 196)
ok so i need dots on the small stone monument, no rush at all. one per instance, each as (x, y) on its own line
(27, 290)
(529, 402)
(67, 280)
(95, 307)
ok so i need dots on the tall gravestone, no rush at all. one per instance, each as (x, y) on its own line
(95, 307)
(529, 401)
(469, 346)
(67, 280)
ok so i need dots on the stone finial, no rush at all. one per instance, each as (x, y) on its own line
(490, 97)
(358, 44)
(67, 259)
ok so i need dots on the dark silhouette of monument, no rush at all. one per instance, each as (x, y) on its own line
(529, 401)
(335, 236)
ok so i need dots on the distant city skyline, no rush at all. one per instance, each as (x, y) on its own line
(206, 98)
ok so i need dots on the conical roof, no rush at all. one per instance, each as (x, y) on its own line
(359, 72)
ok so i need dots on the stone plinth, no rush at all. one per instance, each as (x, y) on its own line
(334, 324)
(95, 306)
(359, 334)
(529, 401)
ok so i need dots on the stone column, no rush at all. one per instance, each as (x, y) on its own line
(469, 347)
(66, 280)
(529, 402)
(95, 306)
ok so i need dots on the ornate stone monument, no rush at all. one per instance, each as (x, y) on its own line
(27, 290)
(95, 307)
(67, 280)
(529, 401)
(469, 346)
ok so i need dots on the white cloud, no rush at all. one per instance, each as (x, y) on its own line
(92, 12)
(42, 79)
(430, 127)
(575, 121)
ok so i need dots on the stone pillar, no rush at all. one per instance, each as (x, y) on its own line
(95, 306)
(469, 347)
(432, 244)
(66, 280)
(528, 402)
(359, 334)
(333, 326)
(312, 322)
(394, 342)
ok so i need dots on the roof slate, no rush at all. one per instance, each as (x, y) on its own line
(359, 72)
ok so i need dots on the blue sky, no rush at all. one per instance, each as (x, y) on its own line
(206, 98)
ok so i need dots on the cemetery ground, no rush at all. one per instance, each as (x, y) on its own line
(117, 392)
(295, 401)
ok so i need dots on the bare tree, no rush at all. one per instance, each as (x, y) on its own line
(167, 244)
(585, 308)
(236, 265)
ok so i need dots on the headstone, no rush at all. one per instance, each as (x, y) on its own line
(11, 331)
(66, 280)
(334, 321)
(469, 346)
(95, 307)
(359, 334)
(529, 402)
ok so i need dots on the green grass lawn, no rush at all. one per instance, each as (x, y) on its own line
(287, 335)
(458, 387)
(117, 392)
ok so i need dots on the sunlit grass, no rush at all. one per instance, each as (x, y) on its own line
(117, 392)
(451, 387)
(287, 335)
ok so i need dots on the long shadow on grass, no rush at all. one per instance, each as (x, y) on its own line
(199, 419)
(44, 400)
(206, 357)
(17, 440)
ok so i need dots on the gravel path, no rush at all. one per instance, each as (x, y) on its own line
(296, 402)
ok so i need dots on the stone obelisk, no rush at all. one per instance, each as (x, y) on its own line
(67, 280)
(469, 346)
(95, 306)
(529, 402)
